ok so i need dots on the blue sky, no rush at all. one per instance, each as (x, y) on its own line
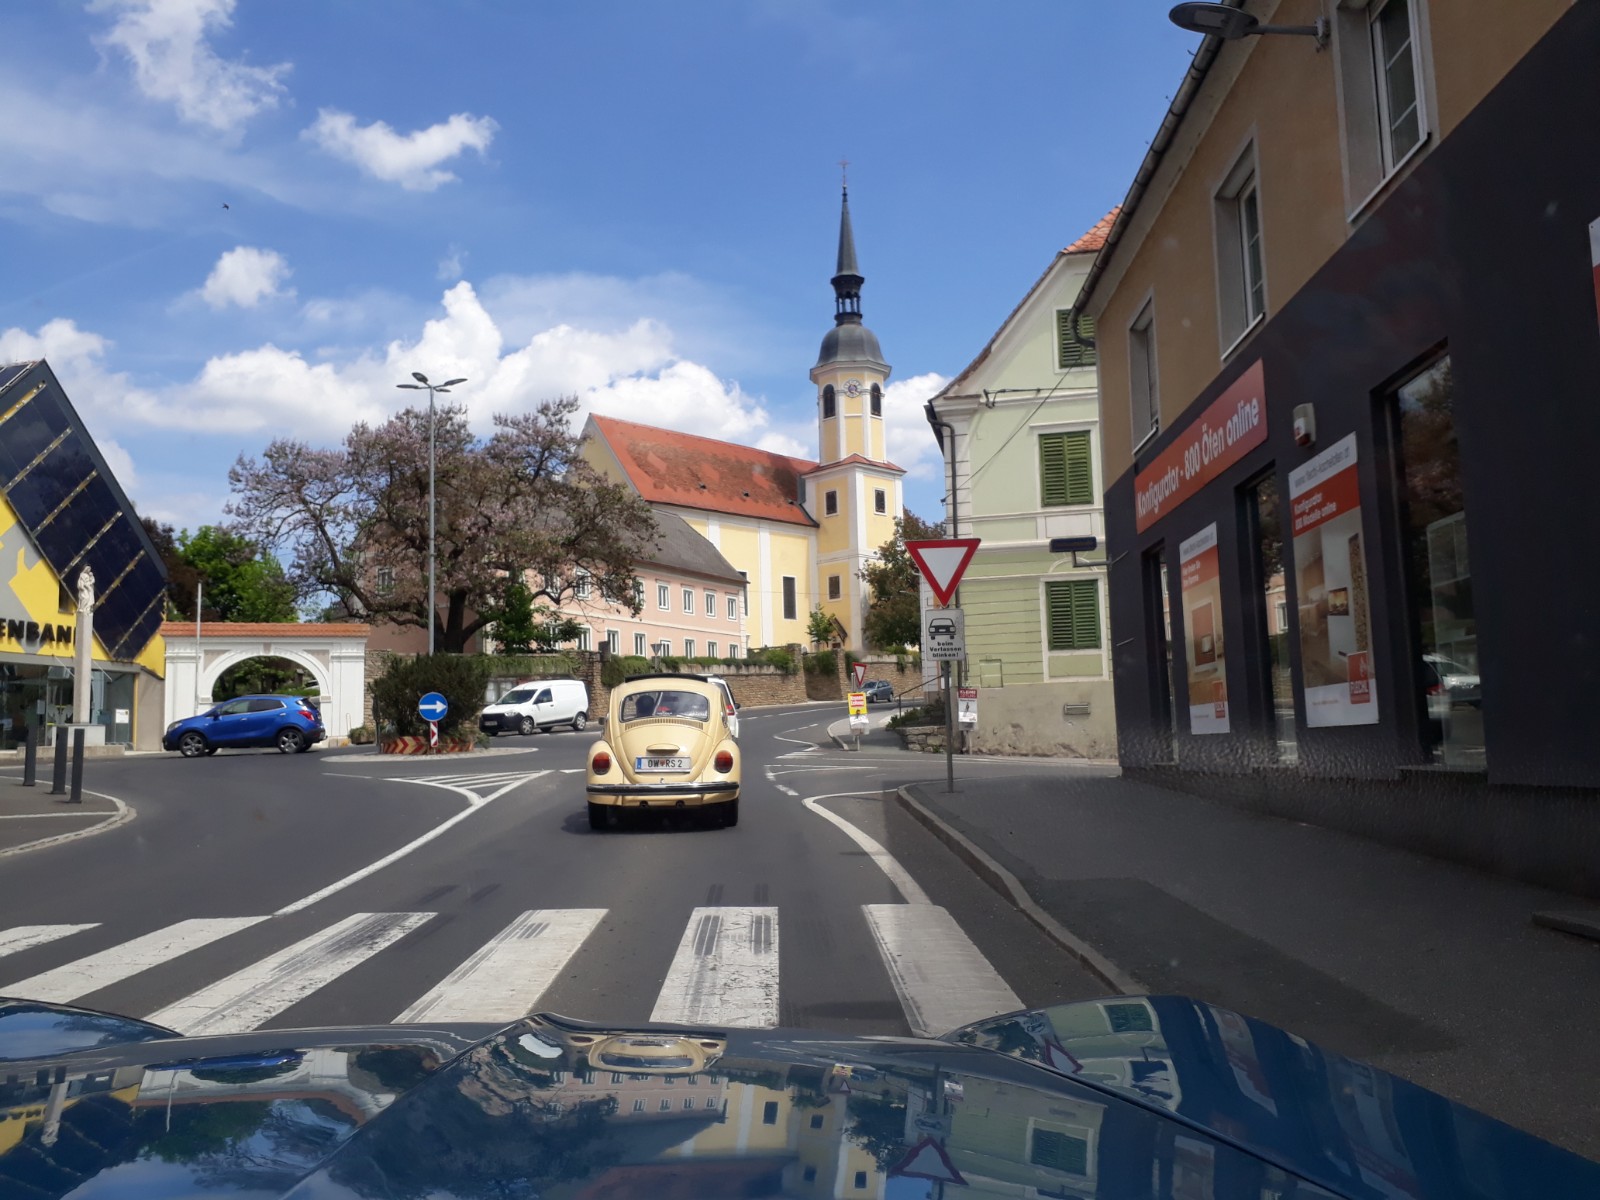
(636, 202)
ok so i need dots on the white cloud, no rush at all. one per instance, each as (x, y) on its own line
(165, 41)
(120, 462)
(245, 276)
(411, 160)
(450, 265)
(911, 441)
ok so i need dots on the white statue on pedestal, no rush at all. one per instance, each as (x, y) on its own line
(83, 647)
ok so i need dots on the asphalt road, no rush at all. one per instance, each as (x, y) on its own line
(256, 890)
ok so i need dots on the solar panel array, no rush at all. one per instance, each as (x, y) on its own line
(66, 498)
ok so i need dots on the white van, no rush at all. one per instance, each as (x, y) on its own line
(544, 704)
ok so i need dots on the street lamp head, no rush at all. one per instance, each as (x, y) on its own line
(1230, 23)
(420, 378)
(415, 387)
(451, 382)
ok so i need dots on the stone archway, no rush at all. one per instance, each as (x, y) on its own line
(335, 655)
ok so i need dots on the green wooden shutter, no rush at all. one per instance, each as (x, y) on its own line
(1073, 614)
(1053, 468)
(1066, 469)
(1074, 348)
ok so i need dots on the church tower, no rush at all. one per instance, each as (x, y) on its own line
(854, 492)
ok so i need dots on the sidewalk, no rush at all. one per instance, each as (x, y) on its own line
(1425, 968)
(31, 816)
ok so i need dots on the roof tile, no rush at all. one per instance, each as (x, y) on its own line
(1096, 237)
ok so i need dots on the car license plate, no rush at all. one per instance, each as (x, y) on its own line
(660, 765)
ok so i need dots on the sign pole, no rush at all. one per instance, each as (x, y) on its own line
(949, 732)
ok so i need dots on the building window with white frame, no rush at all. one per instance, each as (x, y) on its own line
(1241, 270)
(734, 650)
(711, 604)
(733, 608)
(584, 586)
(830, 504)
(835, 587)
(663, 596)
(711, 649)
(1382, 73)
(880, 500)
(638, 592)
(385, 580)
(585, 634)
(664, 647)
(688, 600)
(688, 647)
(639, 647)
(1142, 385)
(614, 641)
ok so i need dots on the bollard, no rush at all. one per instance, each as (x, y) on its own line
(30, 756)
(78, 736)
(58, 778)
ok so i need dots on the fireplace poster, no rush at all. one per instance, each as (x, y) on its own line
(1331, 577)
(1200, 583)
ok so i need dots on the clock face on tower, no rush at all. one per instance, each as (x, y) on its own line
(852, 388)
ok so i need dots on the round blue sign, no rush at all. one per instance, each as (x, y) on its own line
(433, 706)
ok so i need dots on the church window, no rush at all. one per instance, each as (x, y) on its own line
(835, 589)
(830, 504)
(880, 500)
(828, 408)
(877, 401)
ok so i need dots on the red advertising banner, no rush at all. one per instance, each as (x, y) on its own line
(1199, 584)
(1234, 424)
(1331, 585)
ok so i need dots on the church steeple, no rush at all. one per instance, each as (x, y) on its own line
(847, 278)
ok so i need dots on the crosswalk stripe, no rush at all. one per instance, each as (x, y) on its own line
(505, 977)
(501, 777)
(26, 937)
(251, 997)
(85, 975)
(942, 979)
(725, 971)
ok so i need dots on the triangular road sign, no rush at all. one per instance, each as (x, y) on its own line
(942, 562)
(860, 672)
(927, 1160)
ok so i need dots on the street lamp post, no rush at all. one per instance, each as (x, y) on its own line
(432, 389)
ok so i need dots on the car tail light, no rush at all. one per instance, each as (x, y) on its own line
(308, 714)
(600, 763)
(1436, 690)
(724, 761)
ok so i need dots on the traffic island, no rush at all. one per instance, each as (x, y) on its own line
(418, 744)
(31, 818)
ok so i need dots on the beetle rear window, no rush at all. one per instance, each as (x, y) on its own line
(691, 705)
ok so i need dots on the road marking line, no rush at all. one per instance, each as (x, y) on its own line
(942, 979)
(125, 813)
(505, 977)
(725, 971)
(46, 816)
(573, 770)
(471, 794)
(96, 971)
(887, 863)
(787, 791)
(26, 937)
(474, 803)
(813, 770)
(250, 998)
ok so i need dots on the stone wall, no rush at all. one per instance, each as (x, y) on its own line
(906, 678)
(377, 664)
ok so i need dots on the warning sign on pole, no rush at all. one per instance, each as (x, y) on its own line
(967, 706)
(859, 670)
(942, 562)
(928, 1160)
(433, 733)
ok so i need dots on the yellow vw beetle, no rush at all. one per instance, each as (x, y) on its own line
(666, 744)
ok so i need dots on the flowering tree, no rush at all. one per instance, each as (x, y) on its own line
(353, 521)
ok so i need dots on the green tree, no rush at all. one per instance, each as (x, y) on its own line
(242, 582)
(353, 521)
(551, 628)
(894, 609)
(181, 577)
(461, 679)
(514, 627)
(819, 627)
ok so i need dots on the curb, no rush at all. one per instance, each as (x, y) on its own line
(1010, 888)
(122, 816)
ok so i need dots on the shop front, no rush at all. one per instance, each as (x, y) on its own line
(62, 512)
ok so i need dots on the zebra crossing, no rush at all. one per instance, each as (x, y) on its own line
(724, 971)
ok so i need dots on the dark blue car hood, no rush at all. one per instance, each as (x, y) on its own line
(1131, 1096)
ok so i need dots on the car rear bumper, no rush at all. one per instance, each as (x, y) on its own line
(662, 795)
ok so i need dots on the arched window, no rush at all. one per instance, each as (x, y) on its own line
(827, 402)
(877, 401)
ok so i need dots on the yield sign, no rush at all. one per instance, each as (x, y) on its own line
(942, 562)
(860, 672)
(928, 1160)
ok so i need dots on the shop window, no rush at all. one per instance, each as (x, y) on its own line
(1072, 614)
(1438, 569)
(1264, 516)
(1158, 650)
(1142, 386)
(1066, 469)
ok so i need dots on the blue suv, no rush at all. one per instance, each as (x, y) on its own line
(290, 723)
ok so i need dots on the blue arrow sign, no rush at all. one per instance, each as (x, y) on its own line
(433, 706)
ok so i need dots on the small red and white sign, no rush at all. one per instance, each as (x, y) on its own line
(928, 1160)
(942, 562)
(859, 670)
(433, 733)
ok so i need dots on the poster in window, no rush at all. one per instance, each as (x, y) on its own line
(1201, 585)
(1331, 569)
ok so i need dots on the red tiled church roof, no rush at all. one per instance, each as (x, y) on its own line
(1096, 237)
(668, 467)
